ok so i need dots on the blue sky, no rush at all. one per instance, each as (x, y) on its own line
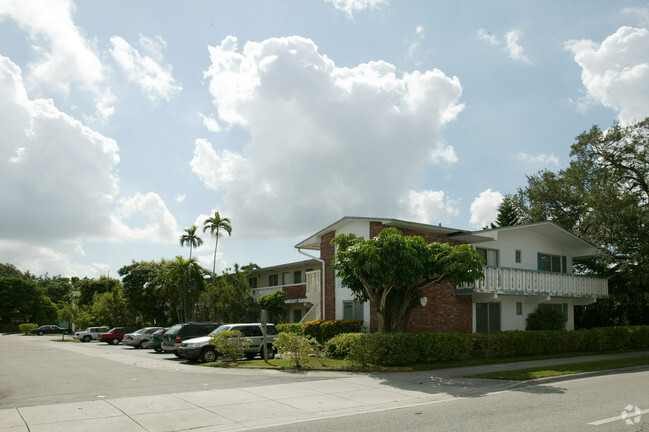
(124, 122)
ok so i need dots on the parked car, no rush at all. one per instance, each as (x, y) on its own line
(49, 329)
(90, 333)
(156, 340)
(139, 337)
(176, 334)
(201, 349)
(115, 335)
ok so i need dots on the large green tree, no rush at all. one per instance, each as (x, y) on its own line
(143, 291)
(602, 196)
(392, 270)
(230, 301)
(88, 288)
(25, 299)
(216, 226)
(191, 239)
(507, 214)
(182, 282)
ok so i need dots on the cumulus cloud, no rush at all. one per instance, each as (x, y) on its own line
(509, 43)
(428, 206)
(538, 159)
(350, 7)
(484, 209)
(156, 82)
(210, 123)
(65, 57)
(615, 73)
(59, 179)
(325, 140)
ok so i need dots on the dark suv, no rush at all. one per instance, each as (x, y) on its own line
(177, 333)
(201, 349)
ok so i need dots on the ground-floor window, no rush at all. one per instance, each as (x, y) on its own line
(563, 307)
(487, 317)
(297, 315)
(352, 310)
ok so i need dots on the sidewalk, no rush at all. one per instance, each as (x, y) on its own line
(271, 405)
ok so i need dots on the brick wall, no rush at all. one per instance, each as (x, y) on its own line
(295, 292)
(327, 252)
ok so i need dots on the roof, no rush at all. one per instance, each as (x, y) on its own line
(313, 242)
(545, 229)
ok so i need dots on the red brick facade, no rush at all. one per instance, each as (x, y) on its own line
(445, 311)
(327, 252)
(295, 292)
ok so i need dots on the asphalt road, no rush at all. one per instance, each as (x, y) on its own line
(36, 371)
(586, 404)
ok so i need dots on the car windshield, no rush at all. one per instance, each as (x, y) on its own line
(112, 330)
(220, 329)
(138, 331)
(174, 329)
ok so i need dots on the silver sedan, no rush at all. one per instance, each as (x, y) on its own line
(140, 337)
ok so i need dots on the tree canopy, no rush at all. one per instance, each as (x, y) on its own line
(392, 270)
(603, 197)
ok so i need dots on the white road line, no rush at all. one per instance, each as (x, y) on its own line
(631, 416)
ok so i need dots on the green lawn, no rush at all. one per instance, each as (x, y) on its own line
(564, 369)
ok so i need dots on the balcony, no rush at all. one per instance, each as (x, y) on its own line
(502, 280)
(293, 291)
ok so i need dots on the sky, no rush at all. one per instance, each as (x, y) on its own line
(123, 123)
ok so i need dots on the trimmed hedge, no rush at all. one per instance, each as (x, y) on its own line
(322, 331)
(402, 349)
(289, 328)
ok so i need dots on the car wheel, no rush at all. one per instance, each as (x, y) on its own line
(86, 338)
(66, 331)
(158, 350)
(114, 341)
(177, 354)
(208, 355)
(141, 344)
(40, 333)
(271, 352)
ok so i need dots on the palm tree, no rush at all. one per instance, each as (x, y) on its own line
(216, 224)
(191, 239)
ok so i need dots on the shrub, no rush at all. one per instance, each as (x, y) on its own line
(322, 331)
(289, 328)
(25, 328)
(230, 344)
(295, 346)
(546, 319)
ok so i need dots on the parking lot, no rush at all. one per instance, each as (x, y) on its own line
(37, 371)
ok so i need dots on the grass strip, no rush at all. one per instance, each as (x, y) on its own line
(563, 369)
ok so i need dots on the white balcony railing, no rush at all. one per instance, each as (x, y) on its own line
(503, 280)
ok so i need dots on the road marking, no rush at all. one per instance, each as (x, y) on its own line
(612, 419)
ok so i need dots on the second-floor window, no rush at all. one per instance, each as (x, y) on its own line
(252, 282)
(489, 256)
(297, 277)
(552, 263)
(273, 280)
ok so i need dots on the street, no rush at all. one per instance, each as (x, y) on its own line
(51, 386)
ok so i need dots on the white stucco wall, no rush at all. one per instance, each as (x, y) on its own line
(360, 229)
(508, 318)
(529, 243)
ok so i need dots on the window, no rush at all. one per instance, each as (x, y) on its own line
(563, 307)
(297, 277)
(519, 308)
(352, 310)
(286, 278)
(487, 317)
(490, 256)
(273, 280)
(518, 256)
(297, 315)
(552, 263)
(252, 282)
